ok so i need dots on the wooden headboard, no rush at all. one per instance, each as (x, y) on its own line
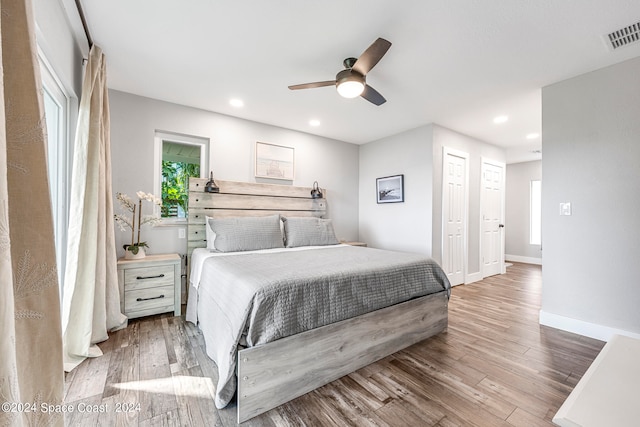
(245, 199)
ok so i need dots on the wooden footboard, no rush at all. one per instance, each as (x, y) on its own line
(274, 373)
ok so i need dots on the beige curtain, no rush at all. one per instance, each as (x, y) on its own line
(30, 341)
(91, 305)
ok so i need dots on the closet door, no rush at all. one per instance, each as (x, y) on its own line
(492, 200)
(454, 214)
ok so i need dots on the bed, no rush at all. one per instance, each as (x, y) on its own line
(283, 318)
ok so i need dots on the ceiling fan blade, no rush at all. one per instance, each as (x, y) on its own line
(373, 96)
(312, 85)
(371, 56)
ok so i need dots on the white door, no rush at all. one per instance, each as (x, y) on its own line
(454, 203)
(492, 227)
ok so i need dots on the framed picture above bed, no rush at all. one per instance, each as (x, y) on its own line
(390, 189)
(274, 161)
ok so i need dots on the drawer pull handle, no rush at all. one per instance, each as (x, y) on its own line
(150, 277)
(147, 299)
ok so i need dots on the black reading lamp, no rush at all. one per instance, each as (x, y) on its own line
(315, 192)
(211, 186)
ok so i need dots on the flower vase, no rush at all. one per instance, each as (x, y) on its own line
(130, 255)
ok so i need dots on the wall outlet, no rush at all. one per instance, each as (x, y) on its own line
(565, 209)
(182, 233)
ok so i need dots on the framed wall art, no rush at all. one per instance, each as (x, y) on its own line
(274, 161)
(390, 189)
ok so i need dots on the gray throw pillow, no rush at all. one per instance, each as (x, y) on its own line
(303, 231)
(246, 233)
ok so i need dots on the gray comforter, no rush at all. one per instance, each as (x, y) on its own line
(268, 296)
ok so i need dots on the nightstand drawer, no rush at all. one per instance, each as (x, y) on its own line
(148, 277)
(149, 285)
(149, 299)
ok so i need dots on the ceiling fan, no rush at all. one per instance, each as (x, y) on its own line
(352, 81)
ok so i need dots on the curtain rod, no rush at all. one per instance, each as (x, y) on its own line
(84, 23)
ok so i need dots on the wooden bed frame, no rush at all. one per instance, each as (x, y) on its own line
(277, 372)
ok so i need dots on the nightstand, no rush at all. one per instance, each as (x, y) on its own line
(355, 244)
(150, 285)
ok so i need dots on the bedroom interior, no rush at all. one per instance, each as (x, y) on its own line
(512, 346)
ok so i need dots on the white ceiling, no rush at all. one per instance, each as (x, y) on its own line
(455, 63)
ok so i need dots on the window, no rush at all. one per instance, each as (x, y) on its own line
(178, 157)
(535, 215)
(56, 110)
(179, 162)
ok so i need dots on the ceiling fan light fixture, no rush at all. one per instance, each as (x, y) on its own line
(350, 88)
(349, 84)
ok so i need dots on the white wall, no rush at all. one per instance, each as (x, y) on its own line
(63, 51)
(518, 212)
(591, 144)
(134, 120)
(477, 150)
(416, 224)
(398, 226)
(60, 44)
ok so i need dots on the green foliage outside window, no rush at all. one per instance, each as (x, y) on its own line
(175, 186)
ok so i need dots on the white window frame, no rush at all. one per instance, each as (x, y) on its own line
(61, 180)
(159, 138)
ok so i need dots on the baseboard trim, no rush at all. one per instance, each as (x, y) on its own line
(524, 259)
(473, 277)
(580, 327)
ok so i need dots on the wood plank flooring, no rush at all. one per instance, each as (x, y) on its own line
(495, 366)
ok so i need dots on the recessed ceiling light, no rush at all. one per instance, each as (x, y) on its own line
(500, 119)
(235, 102)
(314, 122)
(533, 135)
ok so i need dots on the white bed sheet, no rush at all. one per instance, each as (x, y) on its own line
(200, 255)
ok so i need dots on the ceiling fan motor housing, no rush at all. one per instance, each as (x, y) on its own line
(349, 75)
(349, 62)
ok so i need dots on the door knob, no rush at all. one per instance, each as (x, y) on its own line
(501, 225)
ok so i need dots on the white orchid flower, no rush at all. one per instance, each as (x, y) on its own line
(128, 204)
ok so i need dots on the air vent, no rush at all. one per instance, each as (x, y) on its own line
(623, 36)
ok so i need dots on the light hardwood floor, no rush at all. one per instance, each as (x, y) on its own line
(495, 366)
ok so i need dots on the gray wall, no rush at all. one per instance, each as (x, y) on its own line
(134, 120)
(398, 226)
(443, 137)
(591, 145)
(518, 212)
